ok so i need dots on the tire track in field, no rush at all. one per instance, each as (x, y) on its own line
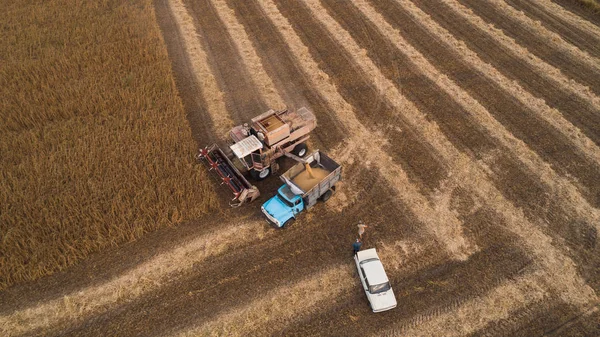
(287, 78)
(450, 233)
(241, 95)
(213, 287)
(540, 188)
(243, 275)
(538, 41)
(277, 308)
(145, 278)
(507, 57)
(500, 303)
(571, 287)
(574, 32)
(427, 293)
(578, 12)
(250, 59)
(534, 319)
(585, 324)
(289, 304)
(213, 96)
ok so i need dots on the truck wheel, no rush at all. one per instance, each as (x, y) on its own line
(300, 150)
(326, 195)
(260, 175)
(288, 222)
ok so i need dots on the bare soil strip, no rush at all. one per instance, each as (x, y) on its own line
(287, 77)
(518, 64)
(532, 37)
(475, 139)
(416, 157)
(213, 96)
(586, 212)
(186, 80)
(551, 38)
(289, 304)
(422, 296)
(570, 18)
(449, 234)
(213, 286)
(572, 29)
(500, 303)
(252, 63)
(241, 95)
(572, 286)
(534, 104)
(144, 278)
(563, 211)
(277, 308)
(521, 186)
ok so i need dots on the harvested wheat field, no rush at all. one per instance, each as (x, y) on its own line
(468, 132)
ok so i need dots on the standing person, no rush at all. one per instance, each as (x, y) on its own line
(361, 229)
(356, 246)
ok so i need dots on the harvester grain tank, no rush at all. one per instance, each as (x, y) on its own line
(305, 183)
(256, 147)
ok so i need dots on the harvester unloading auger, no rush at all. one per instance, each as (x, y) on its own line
(256, 148)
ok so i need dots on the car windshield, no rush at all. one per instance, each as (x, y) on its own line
(286, 195)
(379, 288)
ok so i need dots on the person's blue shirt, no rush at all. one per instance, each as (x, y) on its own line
(356, 246)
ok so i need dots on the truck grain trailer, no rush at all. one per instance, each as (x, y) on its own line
(308, 181)
(255, 149)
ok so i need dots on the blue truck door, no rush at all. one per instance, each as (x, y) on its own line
(298, 206)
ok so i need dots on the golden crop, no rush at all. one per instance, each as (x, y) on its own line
(95, 147)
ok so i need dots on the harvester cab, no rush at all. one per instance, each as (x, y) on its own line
(255, 148)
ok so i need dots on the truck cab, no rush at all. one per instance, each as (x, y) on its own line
(311, 179)
(283, 207)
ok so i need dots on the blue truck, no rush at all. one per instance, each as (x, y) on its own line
(310, 180)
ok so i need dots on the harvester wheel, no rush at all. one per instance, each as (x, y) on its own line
(300, 150)
(260, 175)
(326, 195)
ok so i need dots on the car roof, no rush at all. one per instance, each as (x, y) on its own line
(375, 272)
(372, 266)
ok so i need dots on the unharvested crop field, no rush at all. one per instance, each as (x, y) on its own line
(469, 133)
(95, 147)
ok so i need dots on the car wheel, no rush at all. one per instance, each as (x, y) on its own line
(326, 196)
(288, 222)
(260, 175)
(300, 150)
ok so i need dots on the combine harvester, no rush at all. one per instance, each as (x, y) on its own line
(256, 147)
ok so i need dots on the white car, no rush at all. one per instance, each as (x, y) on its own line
(375, 281)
